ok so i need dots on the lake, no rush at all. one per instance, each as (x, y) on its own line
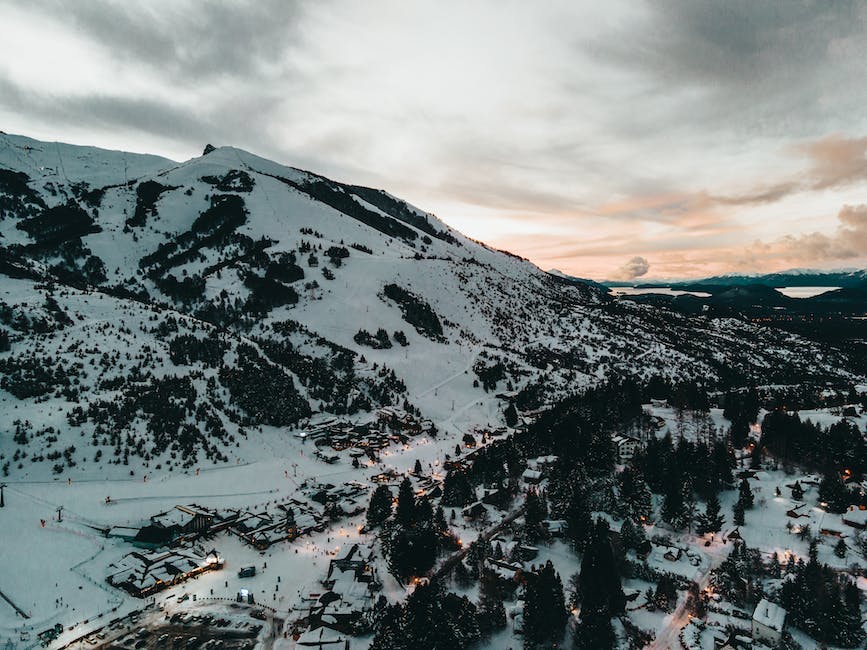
(804, 292)
(638, 291)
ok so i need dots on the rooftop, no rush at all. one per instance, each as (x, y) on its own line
(770, 615)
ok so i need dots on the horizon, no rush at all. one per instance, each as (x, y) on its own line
(660, 140)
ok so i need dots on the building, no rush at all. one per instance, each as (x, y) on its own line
(322, 638)
(145, 573)
(556, 527)
(856, 516)
(190, 521)
(626, 447)
(532, 476)
(475, 511)
(769, 622)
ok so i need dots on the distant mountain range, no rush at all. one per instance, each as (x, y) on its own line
(848, 278)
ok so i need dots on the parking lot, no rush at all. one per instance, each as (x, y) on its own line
(228, 628)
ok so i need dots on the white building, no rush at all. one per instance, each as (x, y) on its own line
(626, 447)
(532, 476)
(769, 621)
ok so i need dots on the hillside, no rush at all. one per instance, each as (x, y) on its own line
(158, 315)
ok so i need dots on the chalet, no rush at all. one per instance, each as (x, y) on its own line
(856, 516)
(626, 447)
(145, 573)
(531, 476)
(388, 476)
(543, 463)
(830, 527)
(322, 638)
(154, 536)
(194, 520)
(497, 497)
(556, 527)
(150, 536)
(349, 593)
(475, 510)
(769, 623)
(795, 512)
(526, 552)
(509, 571)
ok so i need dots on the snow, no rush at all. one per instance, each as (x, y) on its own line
(493, 307)
(770, 615)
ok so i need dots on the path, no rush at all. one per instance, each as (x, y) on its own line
(20, 611)
(669, 637)
(459, 373)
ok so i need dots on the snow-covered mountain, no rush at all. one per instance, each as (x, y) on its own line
(166, 314)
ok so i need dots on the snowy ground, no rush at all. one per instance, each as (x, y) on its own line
(55, 573)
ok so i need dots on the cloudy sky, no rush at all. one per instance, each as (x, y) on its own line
(617, 139)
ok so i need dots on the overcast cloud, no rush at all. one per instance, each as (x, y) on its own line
(696, 136)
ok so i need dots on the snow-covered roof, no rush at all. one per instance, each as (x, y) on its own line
(319, 638)
(856, 516)
(770, 615)
(531, 474)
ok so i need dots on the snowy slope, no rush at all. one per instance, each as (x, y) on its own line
(237, 289)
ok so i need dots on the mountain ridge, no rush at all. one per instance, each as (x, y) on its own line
(251, 295)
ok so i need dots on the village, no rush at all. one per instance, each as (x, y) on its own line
(182, 560)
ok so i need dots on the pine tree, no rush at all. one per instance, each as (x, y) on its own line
(430, 618)
(688, 504)
(672, 504)
(833, 492)
(633, 536)
(745, 496)
(774, 570)
(457, 491)
(738, 516)
(462, 575)
(511, 415)
(600, 586)
(797, 491)
(711, 520)
(635, 500)
(380, 506)
(405, 512)
(534, 517)
(424, 514)
(476, 555)
(388, 630)
(544, 607)
(492, 612)
(440, 520)
(595, 631)
(568, 499)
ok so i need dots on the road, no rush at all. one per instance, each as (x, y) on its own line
(452, 560)
(669, 637)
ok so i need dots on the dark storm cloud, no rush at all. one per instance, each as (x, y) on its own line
(764, 66)
(188, 40)
(104, 111)
(567, 130)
